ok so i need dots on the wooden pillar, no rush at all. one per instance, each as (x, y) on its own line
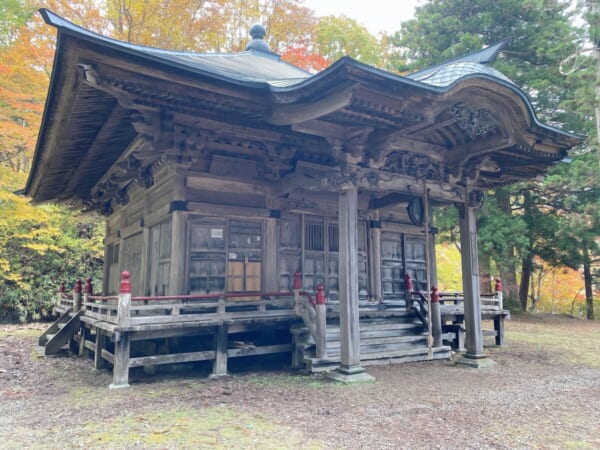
(122, 337)
(436, 317)
(433, 267)
(106, 265)
(321, 323)
(87, 291)
(270, 266)
(177, 273)
(375, 290)
(350, 369)
(499, 330)
(100, 344)
(470, 275)
(221, 345)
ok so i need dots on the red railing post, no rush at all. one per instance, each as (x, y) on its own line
(499, 295)
(87, 288)
(297, 282)
(125, 285)
(297, 288)
(435, 295)
(77, 296)
(320, 296)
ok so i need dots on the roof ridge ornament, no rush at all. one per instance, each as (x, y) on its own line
(258, 32)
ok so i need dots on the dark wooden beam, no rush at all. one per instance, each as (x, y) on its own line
(478, 148)
(325, 129)
(319, 178)
(391, 199)
(289, 114)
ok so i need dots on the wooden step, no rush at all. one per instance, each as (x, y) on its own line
(383, 341)
(420, 353)
(379, 326)
(373, 334)
(392, 348)
(63, 334)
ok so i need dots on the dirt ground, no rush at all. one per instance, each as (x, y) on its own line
(544, 392)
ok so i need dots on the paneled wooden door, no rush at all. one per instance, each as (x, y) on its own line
(226, 256)
(244, 257)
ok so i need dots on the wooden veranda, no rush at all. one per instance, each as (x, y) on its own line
(125, 332)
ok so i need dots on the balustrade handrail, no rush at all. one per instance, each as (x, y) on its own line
(492, 301)
(423, 302)
(223, 295)
(103, 297)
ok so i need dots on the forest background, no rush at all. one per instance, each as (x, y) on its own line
(540, 237)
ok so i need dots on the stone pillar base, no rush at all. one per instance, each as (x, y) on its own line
(478, 361)
(350, 374)
(216, 376)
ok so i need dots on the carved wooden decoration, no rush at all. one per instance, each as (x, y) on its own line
(475, 122)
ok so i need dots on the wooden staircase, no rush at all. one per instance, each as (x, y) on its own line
(398, 338)
(60, 332)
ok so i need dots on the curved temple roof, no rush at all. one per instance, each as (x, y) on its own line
(277, 94)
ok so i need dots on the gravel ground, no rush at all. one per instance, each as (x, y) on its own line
(544, 392)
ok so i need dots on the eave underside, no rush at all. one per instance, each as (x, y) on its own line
(119, 124)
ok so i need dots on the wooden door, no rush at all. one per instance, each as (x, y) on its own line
(207, 258)
(415, 263)
(392, 265)
(244, 257)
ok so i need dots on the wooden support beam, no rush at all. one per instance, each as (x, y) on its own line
(319, 178)
(288, 114)
(221, 345)
(262, 350)
(499, 329)
(100, 344)
(330, 130)
(171, 358)
(121, 362)
(476, 149)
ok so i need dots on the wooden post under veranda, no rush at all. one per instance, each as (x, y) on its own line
(122, 338)
(87, 291)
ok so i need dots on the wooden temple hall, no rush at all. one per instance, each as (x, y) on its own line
(254, 208)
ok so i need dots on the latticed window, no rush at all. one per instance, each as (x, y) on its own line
(314, 238)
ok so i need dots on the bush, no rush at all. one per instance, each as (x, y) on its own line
(39, 248)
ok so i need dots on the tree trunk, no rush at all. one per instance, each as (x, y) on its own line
(506, 262)
(526, 269)
(485, 276)
(587, 279)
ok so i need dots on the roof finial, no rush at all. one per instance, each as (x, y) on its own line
(257, 43)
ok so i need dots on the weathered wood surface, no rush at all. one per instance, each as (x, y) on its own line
(171, 358)
(348, 278)
(63, 335)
